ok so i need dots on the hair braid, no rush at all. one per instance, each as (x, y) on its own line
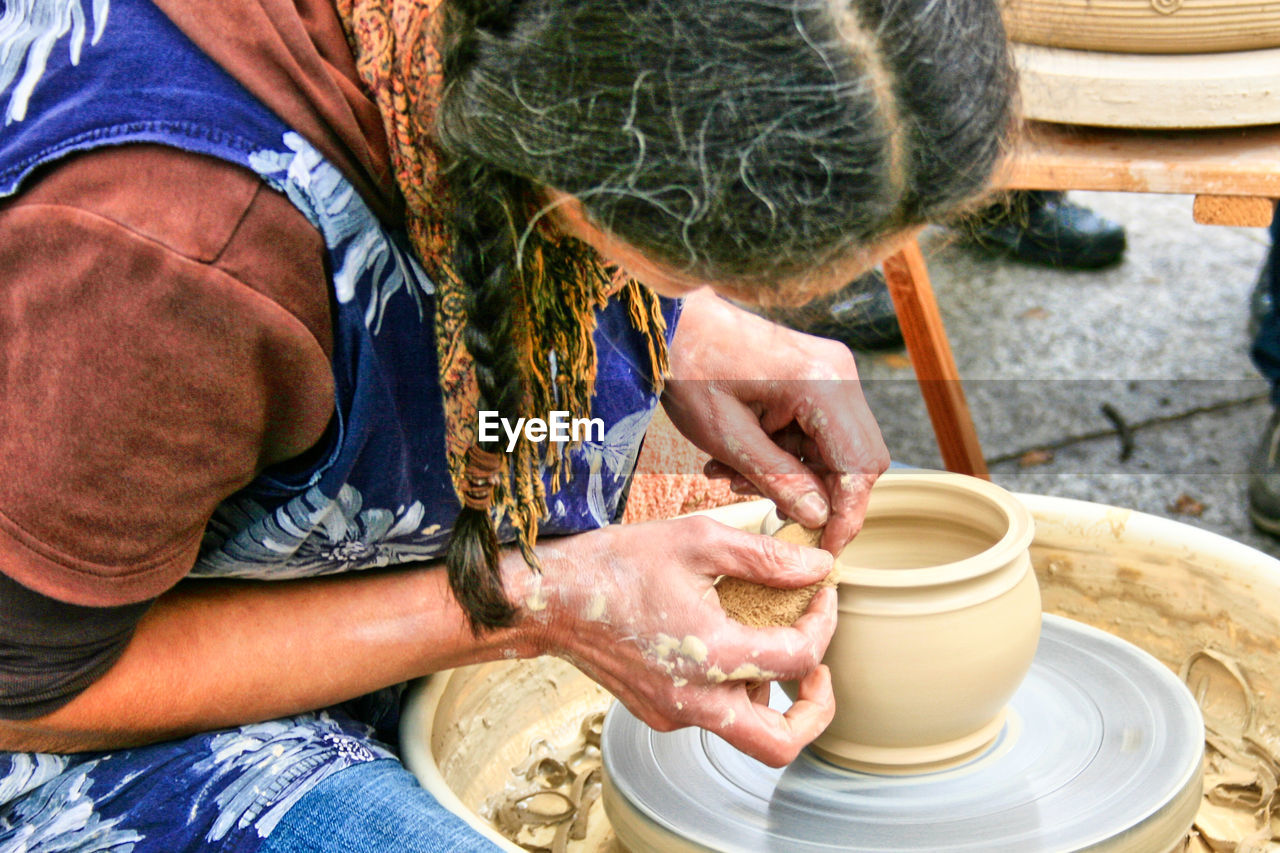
(486, 205)
(485, 258)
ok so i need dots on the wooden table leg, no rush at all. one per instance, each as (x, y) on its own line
(934, 365)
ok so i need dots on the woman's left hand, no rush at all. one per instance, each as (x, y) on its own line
(781, 413)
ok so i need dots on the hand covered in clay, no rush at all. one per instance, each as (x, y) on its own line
(635, 608)
(781, 413)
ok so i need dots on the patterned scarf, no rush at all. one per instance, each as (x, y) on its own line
(396, 47)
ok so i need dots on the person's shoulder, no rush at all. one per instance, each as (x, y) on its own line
(189, 203)
(154, 201)
(164, 326)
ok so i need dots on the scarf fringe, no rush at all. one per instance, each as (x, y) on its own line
(561, 286)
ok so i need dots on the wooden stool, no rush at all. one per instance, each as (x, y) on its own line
(1234, 175)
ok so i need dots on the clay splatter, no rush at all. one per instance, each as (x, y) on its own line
(553, 804)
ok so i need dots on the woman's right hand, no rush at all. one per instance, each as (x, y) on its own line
(635, 608)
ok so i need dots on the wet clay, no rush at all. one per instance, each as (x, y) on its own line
(553, 806)
(761, 606)
(518, 743)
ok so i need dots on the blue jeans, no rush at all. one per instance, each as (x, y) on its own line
(322, 781)
(376, 807)
(1266, 346)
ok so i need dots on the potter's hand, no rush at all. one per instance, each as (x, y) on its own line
(634, 607)
(781, 413)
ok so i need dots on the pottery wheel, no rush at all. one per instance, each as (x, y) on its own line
(1101, 750)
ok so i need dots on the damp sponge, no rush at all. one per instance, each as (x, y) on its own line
(761, 606)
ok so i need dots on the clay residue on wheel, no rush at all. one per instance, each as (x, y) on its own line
(492, 728)
(1241, 770)
(1221, 637)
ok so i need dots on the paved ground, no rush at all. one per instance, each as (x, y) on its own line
(1131, 386)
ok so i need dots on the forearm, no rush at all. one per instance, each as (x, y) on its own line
(701, 316)
(216, 654)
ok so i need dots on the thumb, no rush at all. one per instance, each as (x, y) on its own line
(773, 562)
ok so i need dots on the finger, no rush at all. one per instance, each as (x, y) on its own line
(850, 495)
(775, 472)
(738, 484)
(804, 448)
(714, 469)
(814, 707)
(777, 738)
(759, 692)
(848, 441)
(790, 438)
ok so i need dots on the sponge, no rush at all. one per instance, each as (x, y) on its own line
(760, 606)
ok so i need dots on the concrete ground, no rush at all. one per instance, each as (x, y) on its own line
(1130, 386)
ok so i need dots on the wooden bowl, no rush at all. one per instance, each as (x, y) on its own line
(1146, 26)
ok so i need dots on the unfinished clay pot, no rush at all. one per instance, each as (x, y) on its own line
(1134, 90)
(939, 620)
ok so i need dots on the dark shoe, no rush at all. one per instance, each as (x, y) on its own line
(1041, 227)
(1264, 480)
(860, 315)
(1260, 299)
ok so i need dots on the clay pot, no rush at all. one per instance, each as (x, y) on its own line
(939, 621)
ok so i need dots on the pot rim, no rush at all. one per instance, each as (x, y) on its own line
(1016, 540)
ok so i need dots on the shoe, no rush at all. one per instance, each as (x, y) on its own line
(1260, 299)
(860, 315)
(1041, 227)
(1264, 480)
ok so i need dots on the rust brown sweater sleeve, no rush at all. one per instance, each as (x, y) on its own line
(164, 335)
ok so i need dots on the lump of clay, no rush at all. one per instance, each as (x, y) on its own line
(762, 606)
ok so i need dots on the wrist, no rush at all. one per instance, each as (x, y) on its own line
(530, 633)
(555, 604)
